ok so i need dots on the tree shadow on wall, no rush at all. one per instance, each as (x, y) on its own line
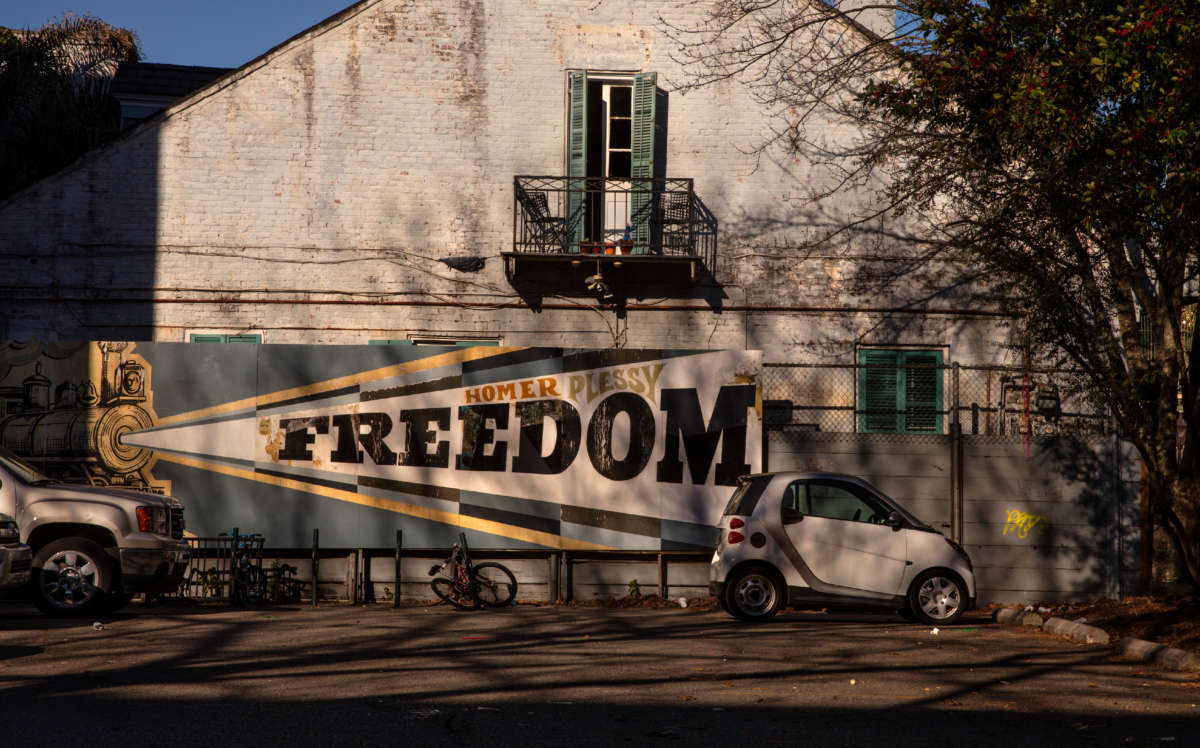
(1097, 475)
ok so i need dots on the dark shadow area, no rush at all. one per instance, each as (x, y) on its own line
(1092, 470)
(558, 676)
(8, 652)
(80, 256)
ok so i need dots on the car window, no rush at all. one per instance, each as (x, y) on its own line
(794, 498)
(840, 501)
(745, 498)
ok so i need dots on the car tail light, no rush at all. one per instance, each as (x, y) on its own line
(736, 523)
(735, 537)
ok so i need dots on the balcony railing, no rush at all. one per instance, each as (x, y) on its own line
(593, 215)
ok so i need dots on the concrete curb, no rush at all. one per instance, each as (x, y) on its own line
(1137, 649)
(1170, 657)
(1080, 632)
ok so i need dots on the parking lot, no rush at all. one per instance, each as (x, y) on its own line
(562, 675)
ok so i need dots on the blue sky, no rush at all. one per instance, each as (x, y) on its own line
(219, 33)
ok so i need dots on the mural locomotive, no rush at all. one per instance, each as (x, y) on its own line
(72, 431)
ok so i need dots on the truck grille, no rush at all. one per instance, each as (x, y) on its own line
(177, 523)
(21, 564)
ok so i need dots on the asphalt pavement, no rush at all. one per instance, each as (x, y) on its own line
(180, 675)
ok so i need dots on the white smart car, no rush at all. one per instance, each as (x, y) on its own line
(829, 540)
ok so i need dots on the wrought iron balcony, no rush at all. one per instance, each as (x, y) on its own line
(638, 220)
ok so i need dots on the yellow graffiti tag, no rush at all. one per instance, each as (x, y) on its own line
(1023, 522)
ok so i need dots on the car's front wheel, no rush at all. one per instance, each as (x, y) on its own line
(937, 597)
(71, 576)
(752, 593)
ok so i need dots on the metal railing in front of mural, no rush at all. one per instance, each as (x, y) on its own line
(927, 399)
(397, 575)
(225, 569)
(596, 215)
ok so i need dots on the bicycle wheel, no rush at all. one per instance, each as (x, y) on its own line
(495, 585)
(248, 590)
(446, 590)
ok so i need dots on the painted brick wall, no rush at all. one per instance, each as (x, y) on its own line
(334, 172)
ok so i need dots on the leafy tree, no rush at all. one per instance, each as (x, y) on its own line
(1049, 147)
(54, 95)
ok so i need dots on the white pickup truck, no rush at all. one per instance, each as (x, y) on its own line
(94, 547)
(16, 558)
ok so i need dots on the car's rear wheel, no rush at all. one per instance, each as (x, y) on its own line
(937, 597)
(752, 593)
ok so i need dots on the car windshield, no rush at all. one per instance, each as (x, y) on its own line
(25, 472)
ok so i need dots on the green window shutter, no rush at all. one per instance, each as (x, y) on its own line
(900, 392)
(922, 392)
(389, 342)
(225, 338)
(642, 198)
(880, 391)
(470, 343)
(576, 157)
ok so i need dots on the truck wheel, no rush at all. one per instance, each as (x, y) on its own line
(71, 576)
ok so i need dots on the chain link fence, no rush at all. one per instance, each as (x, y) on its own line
(926, 399)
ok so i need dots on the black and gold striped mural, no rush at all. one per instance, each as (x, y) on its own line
(520, 447)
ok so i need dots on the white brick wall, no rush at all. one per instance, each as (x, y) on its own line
(340, 167)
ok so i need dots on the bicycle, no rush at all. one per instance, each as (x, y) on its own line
(280, 584)
(469, 586)
(247, 582)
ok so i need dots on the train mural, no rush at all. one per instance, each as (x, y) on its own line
(519, 447)
(71, 428)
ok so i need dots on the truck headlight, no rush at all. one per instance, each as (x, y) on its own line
(153, 519)
(9, 532)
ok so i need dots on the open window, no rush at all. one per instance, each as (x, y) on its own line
(615, 148)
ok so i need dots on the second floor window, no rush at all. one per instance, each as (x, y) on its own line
(614, 133)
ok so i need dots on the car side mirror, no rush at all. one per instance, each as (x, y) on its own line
(893, 520)
(791, 516)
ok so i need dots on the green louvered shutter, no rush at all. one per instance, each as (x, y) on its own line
(922, 392)
(879, 391)
(576, 157)
(642, 199)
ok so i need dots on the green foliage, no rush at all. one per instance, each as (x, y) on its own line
(633, 589)
(1060, 142)
(211, 581)
(54, 95)
(1048, 149)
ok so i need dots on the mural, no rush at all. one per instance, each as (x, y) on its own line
(521, 448)
(66, 407)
